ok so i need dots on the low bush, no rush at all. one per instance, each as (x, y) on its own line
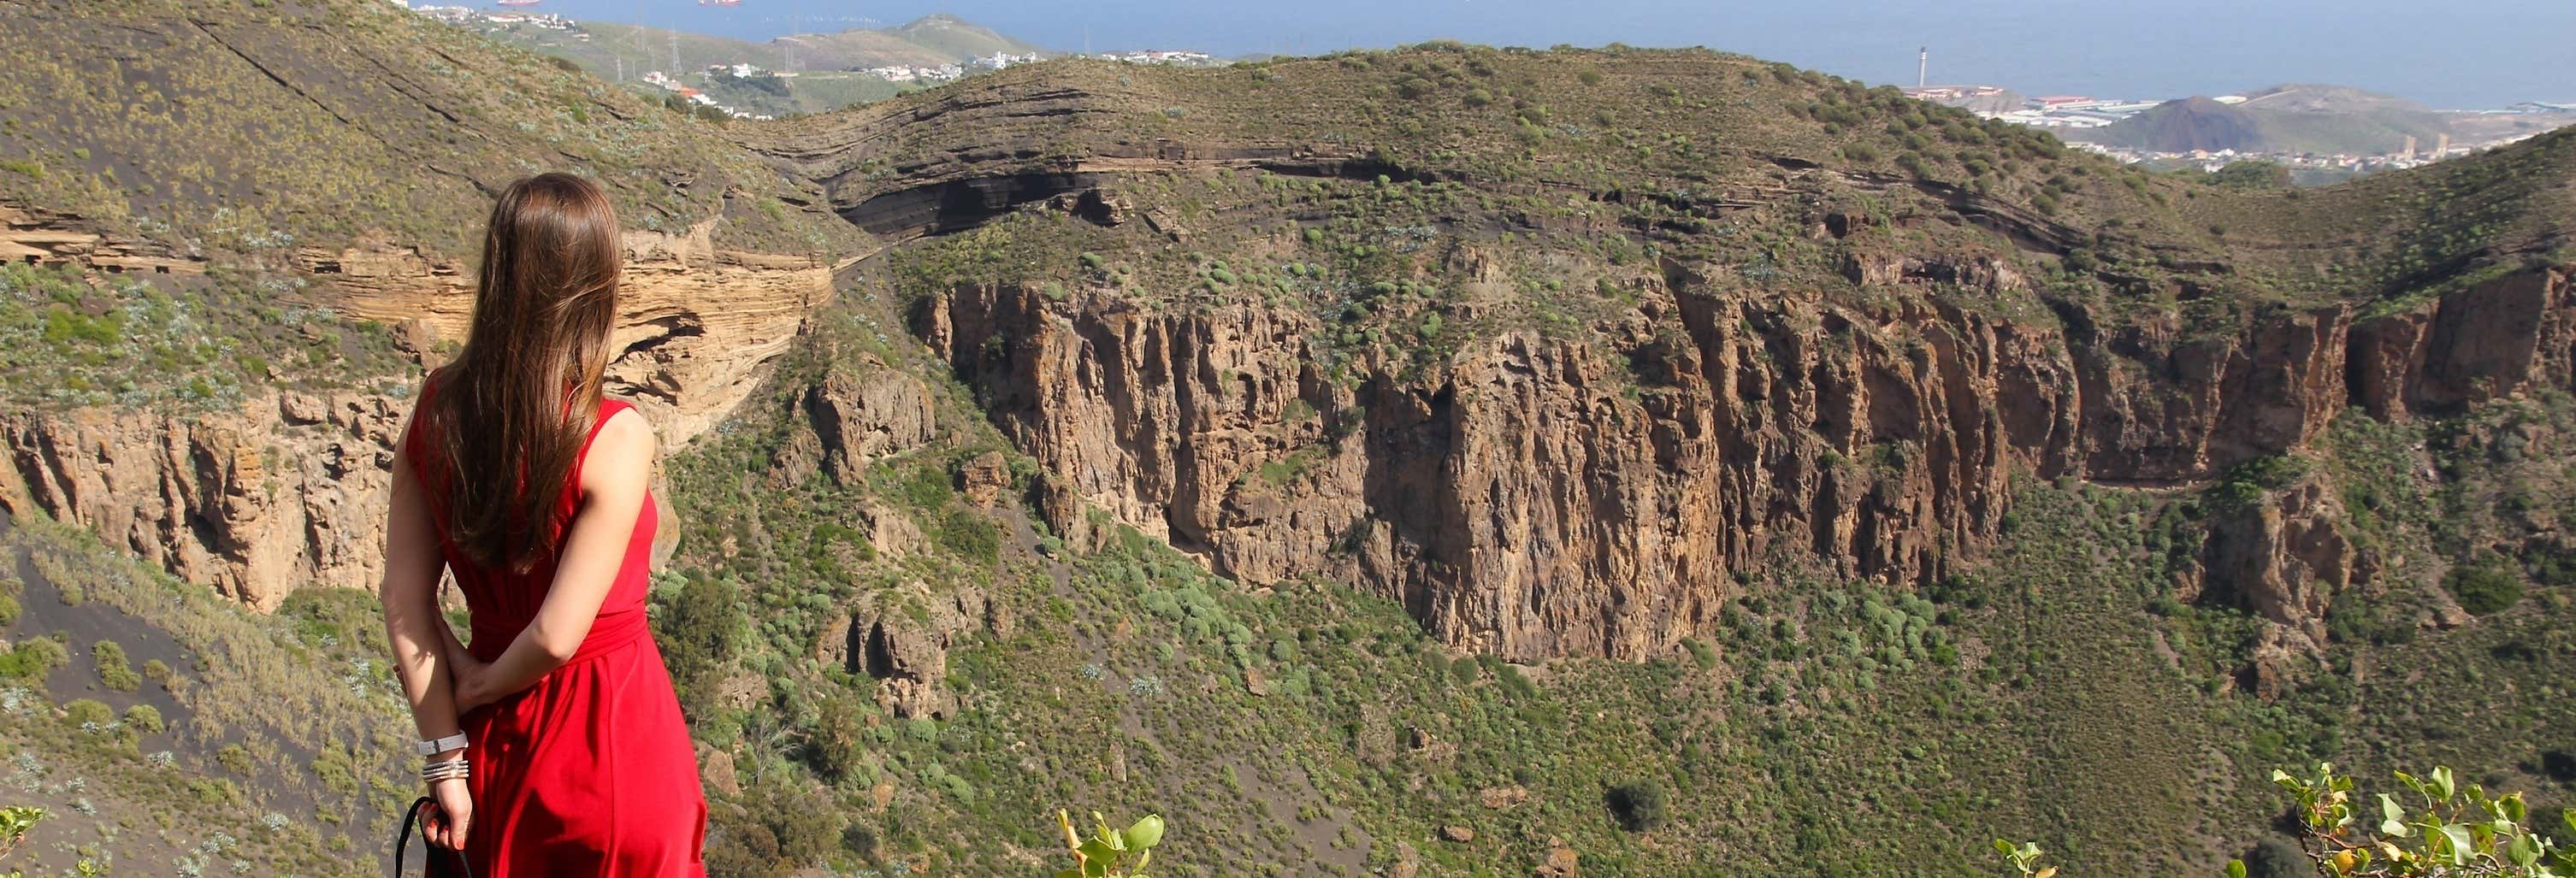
(2484, 589)
(1639, 805)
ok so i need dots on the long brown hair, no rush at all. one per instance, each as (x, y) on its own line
(510, 414)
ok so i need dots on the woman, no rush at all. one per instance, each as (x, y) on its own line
(554, 744)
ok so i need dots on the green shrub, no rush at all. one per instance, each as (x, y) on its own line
(834, 749)
(8, 611)
(88, 711)
(1639, 805)
(2559, 765)
(144, 718)
(236, 759)
(971, 536)
(2278, 858)
(925, 487)
(33, 659)
(1702, 655)
(113, 669)
(2484, 589)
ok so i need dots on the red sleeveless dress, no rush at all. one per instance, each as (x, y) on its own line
(589, 773)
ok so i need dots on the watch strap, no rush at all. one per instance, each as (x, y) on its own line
(441, 745)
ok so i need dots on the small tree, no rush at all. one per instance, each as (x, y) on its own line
(1639, 805)
(2485, 589)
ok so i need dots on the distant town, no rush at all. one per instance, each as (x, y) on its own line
(692, 85)
(2070, 114)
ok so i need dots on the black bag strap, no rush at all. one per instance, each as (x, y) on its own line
(453, 863)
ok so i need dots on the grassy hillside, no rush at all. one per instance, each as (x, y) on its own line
(1677, 145)
(2322, 119)
(2063, 687)
(258, 128)
(826, 64)
(169, 731)
(959, 38)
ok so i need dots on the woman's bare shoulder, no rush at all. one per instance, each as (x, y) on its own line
(624, 446)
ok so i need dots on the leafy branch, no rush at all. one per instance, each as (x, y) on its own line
(2450, 831)
(2024, 858)
(1110, 853)
(2434, 829)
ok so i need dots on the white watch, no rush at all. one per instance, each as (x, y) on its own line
(441, 745)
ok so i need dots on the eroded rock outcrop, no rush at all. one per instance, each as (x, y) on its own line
(256, 503)
(42, 237)
(1599, 494)
(695, 323)
(289, 489)
(2489, 341)
(2284, 558)
(858, 418)
(901, 638)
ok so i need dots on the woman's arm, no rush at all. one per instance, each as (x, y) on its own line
(419, 636)
(409, 594)
(614, 478)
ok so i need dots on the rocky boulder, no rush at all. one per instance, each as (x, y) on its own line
(2284, 558)
(865, 414)
(901, 638)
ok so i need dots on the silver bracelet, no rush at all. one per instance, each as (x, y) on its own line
(445, 769)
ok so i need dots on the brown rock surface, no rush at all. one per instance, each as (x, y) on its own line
(901, 638)
(2284, 559)
(1560, 861)
(1535, 498)
(256, 503)
(869, 414)
(983, 478)
(695, 323)
(289, 489)
(716, 771)
(42, 237)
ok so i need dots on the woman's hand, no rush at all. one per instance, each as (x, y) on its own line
(468, 679)
(455, 814)
(471, 680)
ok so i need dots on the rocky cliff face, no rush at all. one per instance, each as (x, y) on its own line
(41, 237)
(695, 322)
(257, 502)
(289, 490)
(1602, 494)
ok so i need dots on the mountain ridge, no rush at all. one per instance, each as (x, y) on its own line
(2290, 117)
(1829, 418)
